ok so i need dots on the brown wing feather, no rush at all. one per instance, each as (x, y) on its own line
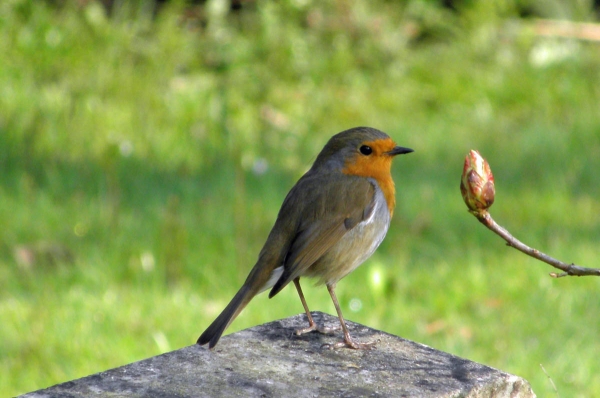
(327, 213)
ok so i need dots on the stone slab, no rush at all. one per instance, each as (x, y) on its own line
(271, 361)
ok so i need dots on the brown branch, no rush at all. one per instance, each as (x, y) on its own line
(568, 269)
(568, 30)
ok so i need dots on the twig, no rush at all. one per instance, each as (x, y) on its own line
(478, 191)
(568, 29)
(551, 381)
(568, 269)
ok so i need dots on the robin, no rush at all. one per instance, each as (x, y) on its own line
(331, 221)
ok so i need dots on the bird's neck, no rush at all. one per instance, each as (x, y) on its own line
(380, 172)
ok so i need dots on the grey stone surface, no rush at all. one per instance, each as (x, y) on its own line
(270, 361)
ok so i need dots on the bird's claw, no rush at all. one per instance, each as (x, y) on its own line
(315, 328)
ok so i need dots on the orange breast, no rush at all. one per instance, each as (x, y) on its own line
(377, 166)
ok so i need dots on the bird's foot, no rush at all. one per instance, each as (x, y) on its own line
(313, 327)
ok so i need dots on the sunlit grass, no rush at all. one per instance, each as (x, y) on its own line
(143, 160)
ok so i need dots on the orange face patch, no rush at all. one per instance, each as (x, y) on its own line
(377, 165)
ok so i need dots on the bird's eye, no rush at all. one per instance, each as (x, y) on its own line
(366, 150)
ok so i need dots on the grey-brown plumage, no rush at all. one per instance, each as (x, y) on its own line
(331, 221)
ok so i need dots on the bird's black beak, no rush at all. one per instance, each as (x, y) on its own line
(399, 150)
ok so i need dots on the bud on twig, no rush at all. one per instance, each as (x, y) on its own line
(477, 189)
(477, 183)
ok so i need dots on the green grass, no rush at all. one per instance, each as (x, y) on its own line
(132, 154)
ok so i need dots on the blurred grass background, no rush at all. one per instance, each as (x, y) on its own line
(144, 153)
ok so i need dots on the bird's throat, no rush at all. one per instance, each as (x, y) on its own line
(379, 170)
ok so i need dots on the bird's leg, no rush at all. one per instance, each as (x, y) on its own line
(348, 341)
(311, 323)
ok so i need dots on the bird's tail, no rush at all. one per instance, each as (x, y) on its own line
(213, 333)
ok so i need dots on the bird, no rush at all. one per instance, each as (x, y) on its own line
(330, 222)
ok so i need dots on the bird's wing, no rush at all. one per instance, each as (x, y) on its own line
(326, 214)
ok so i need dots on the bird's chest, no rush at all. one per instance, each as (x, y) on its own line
(355, 246)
